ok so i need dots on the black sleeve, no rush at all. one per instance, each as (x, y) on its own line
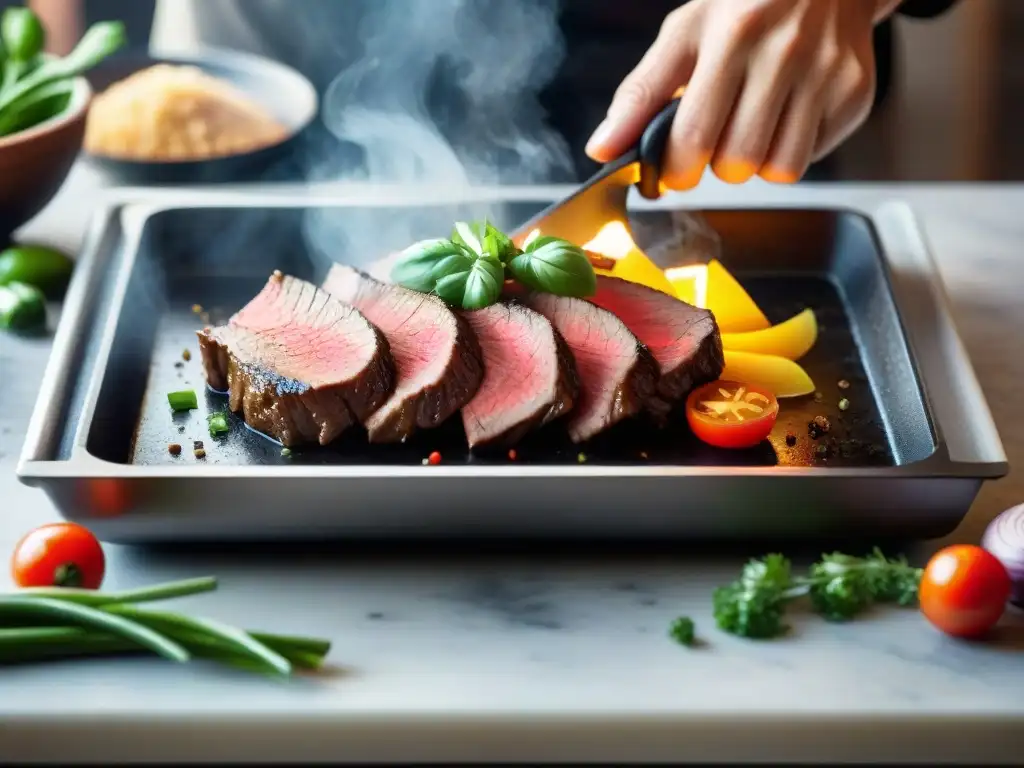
(925, 9)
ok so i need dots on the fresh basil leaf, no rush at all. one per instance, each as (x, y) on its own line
(422, 264)
(553, 265)
(500, 244)
(469, 235)
(475, 288)
(484, 239)
(542, 240)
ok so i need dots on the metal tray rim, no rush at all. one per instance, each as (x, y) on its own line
(134, 210)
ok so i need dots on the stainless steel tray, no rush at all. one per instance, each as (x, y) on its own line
(919, 439)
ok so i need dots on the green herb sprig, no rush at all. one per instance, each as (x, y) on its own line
(55, 623)
(839, 586)
(683, 631)
(468, 269)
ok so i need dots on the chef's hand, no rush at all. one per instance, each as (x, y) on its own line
(770, 86)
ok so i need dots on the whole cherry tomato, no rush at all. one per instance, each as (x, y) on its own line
(964, 590)
(727, 414)
(58, 555)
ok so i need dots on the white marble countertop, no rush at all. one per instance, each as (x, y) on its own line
(550, 657)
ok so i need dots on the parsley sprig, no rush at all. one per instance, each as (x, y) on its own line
(839, 588)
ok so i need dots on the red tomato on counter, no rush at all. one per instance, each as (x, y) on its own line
(727, 414)
(58, 555)
(964, 590)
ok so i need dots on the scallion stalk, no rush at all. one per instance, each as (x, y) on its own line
(185, 400)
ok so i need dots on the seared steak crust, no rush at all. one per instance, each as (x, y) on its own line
(684, 340)
(299, 365)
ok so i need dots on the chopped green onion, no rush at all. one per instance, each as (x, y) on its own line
(218, 423)
(185, 400)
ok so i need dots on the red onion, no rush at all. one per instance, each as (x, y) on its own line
(1004, 538)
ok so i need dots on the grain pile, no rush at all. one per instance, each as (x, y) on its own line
(169, 112)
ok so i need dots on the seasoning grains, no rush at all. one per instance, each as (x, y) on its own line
(818, 426)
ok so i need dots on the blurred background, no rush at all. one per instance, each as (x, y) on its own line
(956, 111)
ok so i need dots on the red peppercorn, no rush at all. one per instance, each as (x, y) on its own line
(434, 458)
(512, 454)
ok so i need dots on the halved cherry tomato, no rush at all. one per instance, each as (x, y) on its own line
(58, 555)
(964, 590)
(727, 414)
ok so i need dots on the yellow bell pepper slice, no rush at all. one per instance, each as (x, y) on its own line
(791, 339)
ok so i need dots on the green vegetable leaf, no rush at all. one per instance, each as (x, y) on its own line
(841, 586)
(682, 630)
(424, 263)
(839, 590)
(477, 287)
(484, 239)
(470, 235)
(553, 265)
(754, 605)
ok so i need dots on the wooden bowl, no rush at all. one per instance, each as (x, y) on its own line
(34, 163)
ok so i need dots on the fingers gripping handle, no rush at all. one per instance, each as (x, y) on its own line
(651, 150)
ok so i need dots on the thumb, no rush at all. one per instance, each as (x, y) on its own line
(666, 66)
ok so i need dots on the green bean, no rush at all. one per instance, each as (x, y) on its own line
(297, 650)
(23, 33)
(46, 103)
(24, 38)
(285, 644)
(92, 597)
(84, 616)
(40, 643)
(98, 42)
(167, 623)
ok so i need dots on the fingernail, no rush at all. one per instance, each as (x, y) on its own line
(680, 174)
(734, 171)
(776, 175)
(600, 136)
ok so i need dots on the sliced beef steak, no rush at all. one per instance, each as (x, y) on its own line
(529, 375)
(618, 375)
(300, 365)
(684, 340)
(437, 358)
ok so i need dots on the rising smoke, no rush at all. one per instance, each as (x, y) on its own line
(442, 94)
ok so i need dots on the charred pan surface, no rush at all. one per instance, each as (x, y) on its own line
(299, 365)
(684, 340)
(618, 375)
(438, 360)
(530, 376)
